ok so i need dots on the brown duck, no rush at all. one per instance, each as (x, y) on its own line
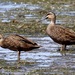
(59, 34)
(17, 43)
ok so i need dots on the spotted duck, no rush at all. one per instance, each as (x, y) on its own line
(17, 43)
(59, 34)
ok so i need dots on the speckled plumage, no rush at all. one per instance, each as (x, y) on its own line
(59, 33)
(17, 43)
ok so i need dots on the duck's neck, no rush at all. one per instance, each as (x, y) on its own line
(51, 25)
(1, 42)
(53, 21)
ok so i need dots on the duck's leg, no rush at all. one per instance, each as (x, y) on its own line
(19, 55)
(63, 47)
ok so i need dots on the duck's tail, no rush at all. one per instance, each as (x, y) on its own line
(37, 46)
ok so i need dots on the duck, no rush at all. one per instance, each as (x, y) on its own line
(17, 43)
(59, 34)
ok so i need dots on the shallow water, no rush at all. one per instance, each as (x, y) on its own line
(46, 60)
(45, 57)
(29, 11)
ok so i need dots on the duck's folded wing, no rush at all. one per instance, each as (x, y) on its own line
(24, 39)
(70, 34)
(63, 34)
(66, 34)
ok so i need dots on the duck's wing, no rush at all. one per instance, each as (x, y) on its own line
(21, 38)
(16, 42)
(60, 33)
(68, 33)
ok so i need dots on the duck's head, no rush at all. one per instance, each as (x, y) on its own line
(50, 15)
(1, 39)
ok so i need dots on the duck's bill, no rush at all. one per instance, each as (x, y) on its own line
(42, 19)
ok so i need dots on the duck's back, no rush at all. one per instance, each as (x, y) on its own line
(61, 34)
(16, 42)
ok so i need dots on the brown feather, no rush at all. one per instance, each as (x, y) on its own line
(62, 35)
(17, 43)
(58, 33)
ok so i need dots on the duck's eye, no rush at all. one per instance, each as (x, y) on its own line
(48, 14)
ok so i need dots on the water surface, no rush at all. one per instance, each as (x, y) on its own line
(46, 60)
(45, 57)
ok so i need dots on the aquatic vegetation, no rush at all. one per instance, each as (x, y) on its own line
(20, 16)
(50, 71)
(22, 28)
